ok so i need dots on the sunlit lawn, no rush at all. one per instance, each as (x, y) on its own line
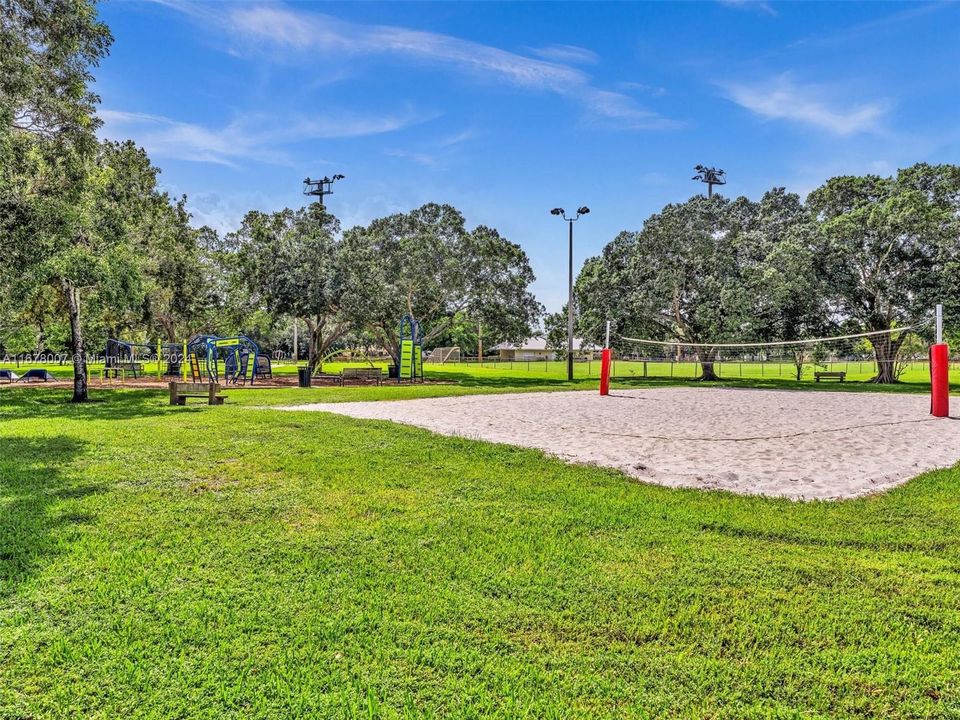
(242, 562)
(915, 373)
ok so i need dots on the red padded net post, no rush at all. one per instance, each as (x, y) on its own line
(939, 380)
(605, 372)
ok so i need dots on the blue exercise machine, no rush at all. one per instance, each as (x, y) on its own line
(231, 360)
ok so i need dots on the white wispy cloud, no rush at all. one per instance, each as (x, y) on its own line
(878, 26)
(458, 138)
(419, 158)
(655, 90)
(250, 137)
(566, 54)
(272, 27)
(758, 6)
(784, 99)
(623, 109)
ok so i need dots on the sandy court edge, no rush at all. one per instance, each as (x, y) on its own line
(780, 443)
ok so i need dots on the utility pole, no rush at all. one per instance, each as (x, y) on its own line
(710, 176)
(480, 342)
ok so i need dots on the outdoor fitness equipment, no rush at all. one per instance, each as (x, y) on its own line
(232, 360)
(410, 368)
(124, 355)
(130, 356)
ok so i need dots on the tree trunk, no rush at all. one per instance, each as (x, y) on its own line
(798, 358)
(885, 351)
(72, 296)
(706, 365)
(320, 343)
(313, 329)
(391, 343)
(169, 328)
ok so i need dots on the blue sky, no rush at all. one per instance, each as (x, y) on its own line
(508, 110)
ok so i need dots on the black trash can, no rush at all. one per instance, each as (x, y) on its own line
(303, 375)
(393, 372)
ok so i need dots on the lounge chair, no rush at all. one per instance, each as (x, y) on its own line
(37, 375)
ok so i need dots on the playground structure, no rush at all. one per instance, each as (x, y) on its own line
(232, 360)
(121, 357)
(209, 358)
(410, 367)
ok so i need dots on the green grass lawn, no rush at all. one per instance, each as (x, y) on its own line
(915, 373)
(236, 562)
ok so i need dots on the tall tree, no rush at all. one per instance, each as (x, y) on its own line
(684, 277)
(176, 295)
(294, 265)
(555, 332)
(50, 175)
(886, 246)
(792, 299)
(426, 264)
(47, 50)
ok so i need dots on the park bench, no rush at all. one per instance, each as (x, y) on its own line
(358, 374)
(335, 378)
(839, 376)
(361, 374)
(180, 391)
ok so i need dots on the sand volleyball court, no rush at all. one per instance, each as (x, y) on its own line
(801, 445)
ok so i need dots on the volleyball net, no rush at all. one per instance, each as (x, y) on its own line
(858, 356)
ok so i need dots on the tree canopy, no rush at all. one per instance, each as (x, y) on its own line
(426, 264)
(293, 263)
(862, 253)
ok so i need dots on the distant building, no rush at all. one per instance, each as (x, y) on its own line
(535, 348)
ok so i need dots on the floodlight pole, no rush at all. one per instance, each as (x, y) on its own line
(320, 188)
(570, 221)
(710, 176)
(570, 307)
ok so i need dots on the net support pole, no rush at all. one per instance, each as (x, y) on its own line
(940, 372)
(605, 365)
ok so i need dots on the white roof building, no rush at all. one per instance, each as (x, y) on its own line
(535, 348)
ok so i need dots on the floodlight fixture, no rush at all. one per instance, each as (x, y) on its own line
(322, 187)
(711, 176)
